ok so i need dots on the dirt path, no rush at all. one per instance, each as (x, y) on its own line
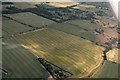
(92, 71)
(98, 69)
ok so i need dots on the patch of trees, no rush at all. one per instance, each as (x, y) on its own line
(100, 13)
(56, 14)
(107, 48)
(11, 10)
(54, 70)
(99, 30)
(118, 30)
(118, 43)
(60, 14)
(90, 16)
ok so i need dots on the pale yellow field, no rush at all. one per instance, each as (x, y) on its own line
(112, 55)
(69, 52)
(62, 4)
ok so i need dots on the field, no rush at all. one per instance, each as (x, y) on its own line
(85, 24)
(4, 33)
(109, 70)
(110, 20)
(79, 28)
(23, 5)
(19, 62)
(69, 52)
(86, 7)
(31, 19)
(13, 27)
(65, 4)
(112, 55)
(4, 18)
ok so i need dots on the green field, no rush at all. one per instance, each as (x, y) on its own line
(19, 62)
(89, 8)
(4, 18)
(13, 27)
(109, 70)
(85, 24)
(77, 30)
(110, 20)
(4, 33)
(24, 5)
(69, 52)
(31, 19)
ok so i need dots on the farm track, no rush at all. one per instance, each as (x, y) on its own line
(100, 66)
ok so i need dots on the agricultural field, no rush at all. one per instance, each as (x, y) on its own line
(86, 7)
(110, 20)
(65, 4)
(22, 5)
(4, 18)
(13, 27)
(79, 28)
(4, 33)
(113, 56)
(85, 24)
(69, 52)
(109, 70)
(31, 19)
(19, 62)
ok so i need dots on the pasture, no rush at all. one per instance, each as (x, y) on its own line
(109, 70)
(86, 7)
(31, 19)
(21, 5)
(85, 24)
(110, 20)
(4, 18)
(24, 5)
(13, 27)
(69, 52)
(80, 30)
(19, 62)
(4, 33)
